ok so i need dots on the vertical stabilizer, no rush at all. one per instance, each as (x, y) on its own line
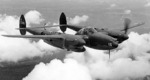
(22, 24)
(63, 21)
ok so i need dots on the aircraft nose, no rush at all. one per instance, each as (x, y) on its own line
(82, 42)
(115, 45)
(126, 37)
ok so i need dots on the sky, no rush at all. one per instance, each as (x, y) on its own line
(101, 13)
(130, 61)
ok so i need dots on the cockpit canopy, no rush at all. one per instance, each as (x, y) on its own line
(86, 31)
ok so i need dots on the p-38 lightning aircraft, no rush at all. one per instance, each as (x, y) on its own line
(66, 41)
(97, 38)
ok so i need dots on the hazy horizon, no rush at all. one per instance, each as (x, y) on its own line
(103, 13)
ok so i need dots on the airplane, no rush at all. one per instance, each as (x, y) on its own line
(66, 41)
(98, 38)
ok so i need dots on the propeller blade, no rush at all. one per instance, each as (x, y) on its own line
(136, 25)
(127, 23)
(42, 27)
(109, 54)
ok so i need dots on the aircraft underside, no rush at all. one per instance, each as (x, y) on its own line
(101, 47)
(60, 44)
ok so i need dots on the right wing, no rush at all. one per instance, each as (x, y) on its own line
(35, 36)
(136, 25)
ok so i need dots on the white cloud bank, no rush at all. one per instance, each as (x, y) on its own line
(34, 17)
(127, 11)
(94, 64)
(56, 70)
(78, 19)
(113, 5)
(147, 3)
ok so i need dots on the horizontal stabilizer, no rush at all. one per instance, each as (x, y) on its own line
(73, 27)
(41, 27)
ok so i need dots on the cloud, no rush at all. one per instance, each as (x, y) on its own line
(33, 17)
(94, 64)
(127, 11)
(113, 5)
(78, 19)
(75, 21)
(147, 4)
(57, 70)
(9, 23)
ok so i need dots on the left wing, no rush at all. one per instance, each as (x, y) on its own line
(34, 36)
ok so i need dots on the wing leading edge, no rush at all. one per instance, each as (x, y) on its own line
(136, 25)
(34, 36)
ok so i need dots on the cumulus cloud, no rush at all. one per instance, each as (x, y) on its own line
(78, 19)
(33, 17)
(57, 70)
(94, 64)
(127, 11)
(9, 23)
(113, 5)
(147, 4)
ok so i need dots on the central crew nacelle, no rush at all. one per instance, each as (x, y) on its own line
(98, 40)
(120, 36)
(101, 41)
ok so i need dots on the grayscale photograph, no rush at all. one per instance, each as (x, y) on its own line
(74, 39)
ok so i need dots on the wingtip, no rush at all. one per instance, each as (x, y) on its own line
(22, 16)
(5, 35)
(62, 13)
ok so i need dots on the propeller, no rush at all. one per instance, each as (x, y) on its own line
(127, 23)
(22, 24)
(110, 44)
(109, 54)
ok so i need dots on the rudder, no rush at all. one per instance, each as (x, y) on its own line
(63, 21)
(22, 24)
